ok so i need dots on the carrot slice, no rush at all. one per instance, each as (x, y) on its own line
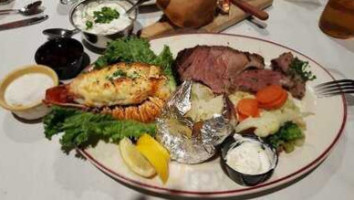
(241, 117)
(269, 94)
(248, 107)
(276, 104)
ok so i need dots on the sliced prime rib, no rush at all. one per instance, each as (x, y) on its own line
(254, 80)
(283, 64)
(215, 66)
(225, 70)
(298, 87)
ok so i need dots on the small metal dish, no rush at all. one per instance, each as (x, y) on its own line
(242, 178)
(100, 40)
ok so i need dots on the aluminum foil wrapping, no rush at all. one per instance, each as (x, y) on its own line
(175, 130)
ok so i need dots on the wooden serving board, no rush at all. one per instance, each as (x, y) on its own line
(220, 22)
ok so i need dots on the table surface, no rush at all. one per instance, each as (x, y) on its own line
(32, 167)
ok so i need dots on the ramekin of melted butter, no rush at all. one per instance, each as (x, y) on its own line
(23, 90)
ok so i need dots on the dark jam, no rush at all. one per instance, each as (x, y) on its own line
(64, 55)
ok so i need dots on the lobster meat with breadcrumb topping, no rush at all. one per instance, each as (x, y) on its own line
(134, 91)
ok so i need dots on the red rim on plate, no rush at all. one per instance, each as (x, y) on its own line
(243, 191)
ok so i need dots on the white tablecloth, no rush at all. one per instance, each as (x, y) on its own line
(32, 167)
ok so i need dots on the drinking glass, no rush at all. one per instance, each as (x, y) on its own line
(337, 19)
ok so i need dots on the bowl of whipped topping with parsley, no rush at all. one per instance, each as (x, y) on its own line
(103, 20)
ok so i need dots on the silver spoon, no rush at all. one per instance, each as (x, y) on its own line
(138, 3)
(30, 9)
(59, 32)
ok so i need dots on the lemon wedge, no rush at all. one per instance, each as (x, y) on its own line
(157, 159)
(135, 160)
(157, 155)
(146, 139)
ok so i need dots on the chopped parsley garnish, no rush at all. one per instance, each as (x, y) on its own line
(116, 75)
(89, 25)
(106, 15)
(299, 67)
(134, 75)
(120, 74)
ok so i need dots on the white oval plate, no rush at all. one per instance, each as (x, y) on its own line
(324, 128)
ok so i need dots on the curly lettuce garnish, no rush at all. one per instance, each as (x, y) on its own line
(82, 129)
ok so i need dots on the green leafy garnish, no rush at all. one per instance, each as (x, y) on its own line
(299, 67)
(287, 137)
(128, 49)
(133, 49)
(84, 128)
(89, 25)
(106, 15)
(164, 60)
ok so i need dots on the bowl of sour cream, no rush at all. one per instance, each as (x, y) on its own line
(23, 90)
(102, 21)
(247, 160)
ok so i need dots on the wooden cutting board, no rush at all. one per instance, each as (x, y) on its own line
(220, 23)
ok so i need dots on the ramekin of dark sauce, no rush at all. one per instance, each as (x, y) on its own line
(63, 55)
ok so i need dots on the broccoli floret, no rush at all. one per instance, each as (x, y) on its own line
(286, 136)
(290, 131)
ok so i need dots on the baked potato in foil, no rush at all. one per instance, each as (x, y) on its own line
(191, 135)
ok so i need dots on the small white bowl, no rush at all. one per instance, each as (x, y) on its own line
(36, 110)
